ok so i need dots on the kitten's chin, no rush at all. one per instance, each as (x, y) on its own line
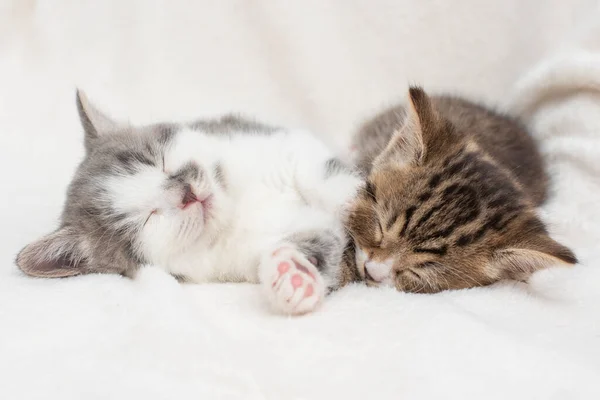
(213, 222)
(387, 282)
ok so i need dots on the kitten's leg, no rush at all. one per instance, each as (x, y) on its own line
(298, 272)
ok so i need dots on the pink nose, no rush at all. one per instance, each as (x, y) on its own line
(188, 196)
(377, 271)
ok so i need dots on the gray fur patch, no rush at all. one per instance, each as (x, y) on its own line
(189, 171)
(219, 174)
(230, 123)
(334, 166)
(324, 245)
(180, 278)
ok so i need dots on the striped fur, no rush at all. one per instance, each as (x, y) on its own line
(450, 200)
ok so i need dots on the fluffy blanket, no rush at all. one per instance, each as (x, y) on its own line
(323, 65)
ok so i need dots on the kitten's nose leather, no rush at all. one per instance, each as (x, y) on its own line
(378, 271)
(188, 196)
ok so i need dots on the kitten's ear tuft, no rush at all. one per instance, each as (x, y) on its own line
(520, 262)
(95, 123)
(422, 133)
(56, 255)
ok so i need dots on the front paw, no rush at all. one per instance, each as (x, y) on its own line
(292, 282)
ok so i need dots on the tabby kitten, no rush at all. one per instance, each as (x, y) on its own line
(450, 201)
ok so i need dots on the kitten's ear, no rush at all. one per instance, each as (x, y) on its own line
(409, 143)
(519, 262)
(422, 112)
(95, 123)
(57, 255)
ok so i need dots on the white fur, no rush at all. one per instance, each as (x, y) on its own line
(139, 193)
(275, 186)
(361, 258)
(380, 271)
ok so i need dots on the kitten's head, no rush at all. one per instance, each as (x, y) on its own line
(139, 196)
(438, 213)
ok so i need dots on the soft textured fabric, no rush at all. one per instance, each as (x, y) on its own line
(323, 65)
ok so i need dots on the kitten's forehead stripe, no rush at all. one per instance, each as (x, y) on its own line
(439, 234)
(434, 181)
(442, 250)
(457, 191)
(428, 214)
(425, 196)
(463, 164)
(407, 217)
(392, 220)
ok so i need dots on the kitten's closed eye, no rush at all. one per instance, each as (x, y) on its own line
(379, 234)
(428, 264)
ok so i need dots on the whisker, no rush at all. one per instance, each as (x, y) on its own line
(147, 219)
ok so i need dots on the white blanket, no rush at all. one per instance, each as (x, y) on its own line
(323, 65)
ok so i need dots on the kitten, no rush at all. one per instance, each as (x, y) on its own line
(449, 202)
(216, 200)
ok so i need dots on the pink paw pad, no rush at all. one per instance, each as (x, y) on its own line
(297, 281)
(309, 291)
(295, 285)
(302, 268)
(283, 267)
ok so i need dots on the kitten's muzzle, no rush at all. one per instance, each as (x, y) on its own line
(368, 276)
(377, 271)
(189, 197)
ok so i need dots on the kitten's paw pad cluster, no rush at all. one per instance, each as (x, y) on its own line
(296, 286)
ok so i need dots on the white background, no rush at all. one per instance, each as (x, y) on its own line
(324, 65)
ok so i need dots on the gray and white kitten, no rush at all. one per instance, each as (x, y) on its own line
(216, 200)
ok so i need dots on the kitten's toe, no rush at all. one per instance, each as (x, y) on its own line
(296, 286)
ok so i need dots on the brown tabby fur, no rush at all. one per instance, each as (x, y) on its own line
(451, 197)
